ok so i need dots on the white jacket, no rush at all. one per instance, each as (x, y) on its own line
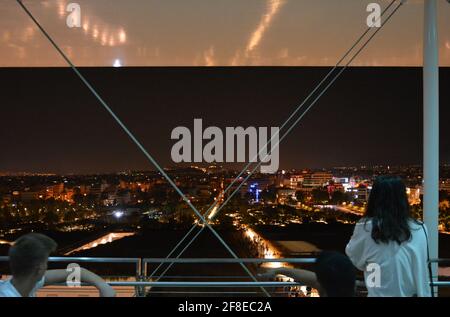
(403, 269)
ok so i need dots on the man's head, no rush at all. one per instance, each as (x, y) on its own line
(29, 254)
(336, 274)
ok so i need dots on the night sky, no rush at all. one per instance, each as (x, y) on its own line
(52, 123)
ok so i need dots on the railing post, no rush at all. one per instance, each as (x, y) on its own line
(431, 129)
(140, 290)
(145, 266)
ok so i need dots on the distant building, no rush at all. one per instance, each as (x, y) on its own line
(32, 194)
(317, 179)
(284, 194)
(255, 191)
(54, 191)
(445, 185)
(67, 195)
(413, 195)
(335, 187)
(256, 185)
(110, 197)
(263, 182)
(342, 181)
(296, 180)
(84, 189)
(359, 193)
(6, 198)
(103, 186)
(203, 191)
(282, 179)
(123, 197)
(96, 191)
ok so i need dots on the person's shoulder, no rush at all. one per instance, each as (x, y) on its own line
(416, 224)
(363, 226)
(5, 283)
(418, 229)
(7, 289)
(364, 223)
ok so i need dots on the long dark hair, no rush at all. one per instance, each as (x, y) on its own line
(388, 208)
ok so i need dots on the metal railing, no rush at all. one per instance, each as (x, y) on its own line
(144, 281)
(147, 261)
(68, 259)
(65, 259)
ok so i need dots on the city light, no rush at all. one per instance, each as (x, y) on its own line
(117, 63)
(138, 202)
(118, 214)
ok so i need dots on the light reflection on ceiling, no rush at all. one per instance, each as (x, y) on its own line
(212, 33)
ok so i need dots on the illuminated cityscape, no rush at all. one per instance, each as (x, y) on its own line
(102, 210)
(137, 138)
(81, 202)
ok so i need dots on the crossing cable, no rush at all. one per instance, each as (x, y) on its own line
(310, 106)
(282, 126)
(135, 140)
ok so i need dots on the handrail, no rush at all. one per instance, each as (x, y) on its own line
(219, 284)
(85, 259)
(228, 284)
(227, 260)
(146, 261)
(187, 260)
(143, 262)
(441, 283)
(248, 284)
(95, 260)
(440, 261)
(136, 261)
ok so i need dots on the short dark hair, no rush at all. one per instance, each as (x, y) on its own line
(336, 274)
(29, 251)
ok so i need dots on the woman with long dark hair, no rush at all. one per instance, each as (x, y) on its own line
(389, 245)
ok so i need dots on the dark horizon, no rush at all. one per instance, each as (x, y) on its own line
(4, 173)
(72, 134)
